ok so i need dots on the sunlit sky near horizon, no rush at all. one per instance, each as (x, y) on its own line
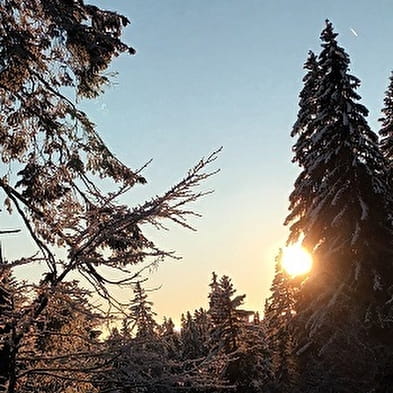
(226, 73)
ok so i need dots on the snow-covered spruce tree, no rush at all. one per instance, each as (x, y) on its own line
(340, 205)
(191, 343)
(251, 370)
(194, 333)
(62, 350)
(170, 338)
(140, 363)
(8, 291)
(278, 315)
(226, 318)
(303, 127)
(386, 131)
(249, 367)
(141, 317)
(203, 325)
(144, 357)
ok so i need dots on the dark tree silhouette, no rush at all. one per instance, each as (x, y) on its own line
(386, 131)
(341, 205)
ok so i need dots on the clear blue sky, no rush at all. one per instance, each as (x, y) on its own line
(227, 72)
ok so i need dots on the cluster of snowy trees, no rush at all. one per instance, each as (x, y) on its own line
(327, 331)
(64, 350)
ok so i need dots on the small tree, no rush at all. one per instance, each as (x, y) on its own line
(191, 344)
(9, 302)
(171, 339)
(225, 317)
(203, 326)
(140, 318)
(279, 313)
(248, 367)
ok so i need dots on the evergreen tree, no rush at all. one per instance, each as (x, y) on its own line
(8, 291)
(303, 127)
(386, 131)
(225, 316)
(248, 367)
(339, 205)
(151, 359)
(279, 313)
(190, 338)
(140, 359)
(251, 369)
(194, 333)
(170, 338)
(62, 351)
(203, 326)
(141, 316)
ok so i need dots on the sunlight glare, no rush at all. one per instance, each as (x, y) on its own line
(296, 260)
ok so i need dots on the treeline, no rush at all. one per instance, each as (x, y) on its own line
(224, 347)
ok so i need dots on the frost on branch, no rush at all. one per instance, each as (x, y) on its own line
(53, 54)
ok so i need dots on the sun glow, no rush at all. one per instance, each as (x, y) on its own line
(296, 260)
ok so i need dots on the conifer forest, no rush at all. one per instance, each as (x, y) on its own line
(327, 330)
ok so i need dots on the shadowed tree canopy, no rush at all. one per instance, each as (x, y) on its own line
(341, 205)
(386, 131)
(339, 201)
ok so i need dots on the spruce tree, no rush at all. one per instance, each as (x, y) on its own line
(196, 351)
(225, 316)
(339, 204)
(278, 316)
(252, 369)
(386, 131)
(140, 360)
(141, 317)
(340, 159)
(248, 366)
(153, 359)
(7, 326)
(303, 125)
(63, 347)
(190, 340)
(170, 338)
(203, 325)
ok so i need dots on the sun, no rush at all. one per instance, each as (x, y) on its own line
(296, 260)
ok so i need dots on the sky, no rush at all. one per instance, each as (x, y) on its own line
(213, 73)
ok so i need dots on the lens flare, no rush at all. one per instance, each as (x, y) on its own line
(296, 260)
